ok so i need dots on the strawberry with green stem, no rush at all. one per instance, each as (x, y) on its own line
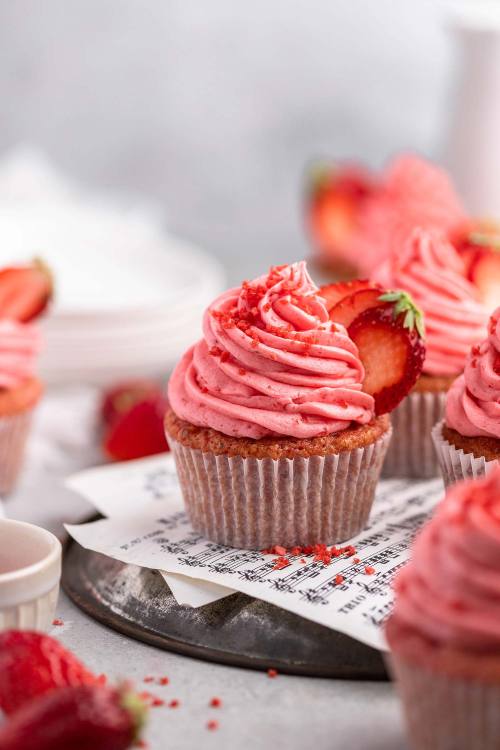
(387, 328)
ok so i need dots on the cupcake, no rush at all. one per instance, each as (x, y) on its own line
(431, 270)
(467, 441)
(24, 294)
(275, 438)
(444, 632)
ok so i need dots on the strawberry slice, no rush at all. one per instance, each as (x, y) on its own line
(484, 272)
(25, 291)
(335, 196)
(353, 305)
(389, 340)
(333, 293)
(138, 432)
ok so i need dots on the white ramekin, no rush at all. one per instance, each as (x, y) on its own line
(30, 571)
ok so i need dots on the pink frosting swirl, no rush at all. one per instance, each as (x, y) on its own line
(450, 590)
(433, 272)
(413, 192)
(473, 401)
(19, 347)
(271, 363)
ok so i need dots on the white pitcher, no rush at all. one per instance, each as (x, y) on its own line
(473, 147)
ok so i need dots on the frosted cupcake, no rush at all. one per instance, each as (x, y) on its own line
(444, 633)
(467, 441)
(431, 270)
(25, 292)
(20, 391)
(274, 438)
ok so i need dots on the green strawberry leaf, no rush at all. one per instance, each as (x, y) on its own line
(404, 305)
(485, 240)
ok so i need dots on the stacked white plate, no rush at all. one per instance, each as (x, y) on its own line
(129, 298)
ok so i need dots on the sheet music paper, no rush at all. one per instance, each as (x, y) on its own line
(147, 526)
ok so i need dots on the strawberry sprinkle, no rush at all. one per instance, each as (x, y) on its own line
(369, 570)
(149, 679)
(163, 681)
(57, 622)
(174, 703)
(272, 673)
(216, 703)
(339, 579)
(212, 725)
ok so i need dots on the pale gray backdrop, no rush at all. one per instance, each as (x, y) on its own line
(214, 106)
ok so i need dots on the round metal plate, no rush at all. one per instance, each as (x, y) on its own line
(237, 630)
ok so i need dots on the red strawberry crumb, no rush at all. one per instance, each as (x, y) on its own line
(157, 702)
(57, 622)
(356, 560)
(278, 550)
(303, 560)
(280, 563)
(369, 570)
(339, 579)
(149, 679)
(174, 703)
(212, 725)
(163, 681)
(272, 673)
(216, 703)
(224, 356)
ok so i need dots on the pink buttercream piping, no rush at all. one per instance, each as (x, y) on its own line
(432, 271)
(19, 347)
(473, 401)
(271, 363)
(450, 589)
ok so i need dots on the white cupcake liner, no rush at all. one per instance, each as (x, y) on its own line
(256, 503)
(455, 464)
(14, 431)
(445, 712)
(411, 452)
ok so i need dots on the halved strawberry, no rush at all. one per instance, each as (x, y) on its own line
(335, 195)
(123, 396)
(333, 293)
(389, 338)
(353, 305)
(484, 272)
(25, 291)
(138, 432)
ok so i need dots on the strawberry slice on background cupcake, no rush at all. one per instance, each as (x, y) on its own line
(431, 270)
(275, 436)
(444, 632)
(25, 293)
(467, 441)
(336, 194)
(478, 243)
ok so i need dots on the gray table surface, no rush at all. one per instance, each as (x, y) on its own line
(291, 712)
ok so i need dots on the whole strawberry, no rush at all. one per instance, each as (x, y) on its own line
(88, 717)
(32, 664)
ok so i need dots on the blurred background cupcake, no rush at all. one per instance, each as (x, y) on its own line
(25, 292)
(467, 441)
(430, 269)
(444, 633)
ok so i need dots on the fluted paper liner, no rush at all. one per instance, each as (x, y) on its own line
(14, 431)
(455, 464)
(256, 503)
(411, 452)
(445, 712)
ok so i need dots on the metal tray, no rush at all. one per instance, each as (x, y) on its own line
(238, 630)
